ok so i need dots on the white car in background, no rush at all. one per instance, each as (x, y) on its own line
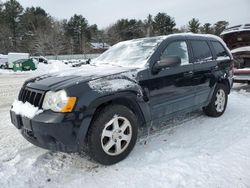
(41, 59)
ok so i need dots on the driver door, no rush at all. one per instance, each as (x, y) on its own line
(171, 89)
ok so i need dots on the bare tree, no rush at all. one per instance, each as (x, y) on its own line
(50, 42)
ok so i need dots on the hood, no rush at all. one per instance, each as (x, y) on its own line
(72, 76)
(237, 36)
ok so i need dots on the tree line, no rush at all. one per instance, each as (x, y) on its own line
(34, 31)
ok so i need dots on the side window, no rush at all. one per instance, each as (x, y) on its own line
(178, 48)
(219, 50)
(201, 51)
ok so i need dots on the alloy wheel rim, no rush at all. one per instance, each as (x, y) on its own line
(220, 100)
(116, 135)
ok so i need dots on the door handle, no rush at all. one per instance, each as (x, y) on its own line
(190, 73)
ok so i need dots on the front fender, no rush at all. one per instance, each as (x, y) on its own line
(92, 99)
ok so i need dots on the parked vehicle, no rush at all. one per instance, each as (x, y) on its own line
(41, 59)
(80, 63)
(3, 61)
(141, 82)
(237, 39)
(24, 65)
(76, 63)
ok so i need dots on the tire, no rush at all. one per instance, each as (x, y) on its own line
(218, 103)
(112, 134)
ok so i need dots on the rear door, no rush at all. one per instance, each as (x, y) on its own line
(204, 66)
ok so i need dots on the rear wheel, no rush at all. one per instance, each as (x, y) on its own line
(218, 103)
(112, 134)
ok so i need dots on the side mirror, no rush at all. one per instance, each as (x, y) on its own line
(170, 61)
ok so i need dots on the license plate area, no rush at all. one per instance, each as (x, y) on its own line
(26, 124)
(20, 122)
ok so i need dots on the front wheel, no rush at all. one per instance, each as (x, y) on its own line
(218, 103)
(112, 134)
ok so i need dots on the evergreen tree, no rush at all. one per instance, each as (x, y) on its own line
(163, 24)
(12, 12)
(193, 25)
(206, 29)
(34, 21)
(77, 30)
(125, 29)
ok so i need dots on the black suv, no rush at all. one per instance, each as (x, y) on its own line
(99, 107)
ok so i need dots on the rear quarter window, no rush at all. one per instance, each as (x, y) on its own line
(220, 50)
(201, 51)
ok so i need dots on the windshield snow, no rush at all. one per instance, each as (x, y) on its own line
(134, 53)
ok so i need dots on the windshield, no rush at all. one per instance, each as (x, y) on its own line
(133, 53)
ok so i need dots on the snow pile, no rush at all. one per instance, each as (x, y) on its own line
(25, 109)
(53, 66)
(9, 71)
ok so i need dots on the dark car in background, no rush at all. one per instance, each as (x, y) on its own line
(99, 107)
(41, 59)
(237, 39)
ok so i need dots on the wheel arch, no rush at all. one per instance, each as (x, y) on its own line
(129, 100)
(225, 82)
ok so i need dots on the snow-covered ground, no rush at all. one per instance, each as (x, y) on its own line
(196, 151)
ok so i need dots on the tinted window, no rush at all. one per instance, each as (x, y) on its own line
(201, 51)
(219, 50)
(178, 48)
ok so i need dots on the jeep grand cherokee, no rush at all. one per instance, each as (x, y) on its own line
(135, 83)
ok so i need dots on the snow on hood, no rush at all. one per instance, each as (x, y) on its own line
(92, 70)
(111, 85)
(25, 109)
(82, 74)
(115, 82)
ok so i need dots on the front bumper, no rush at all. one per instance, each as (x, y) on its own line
(241, 75)
(241, 78)
(48, 130)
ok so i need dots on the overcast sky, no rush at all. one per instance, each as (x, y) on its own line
(106, 12)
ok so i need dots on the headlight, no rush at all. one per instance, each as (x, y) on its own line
(58, 101)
